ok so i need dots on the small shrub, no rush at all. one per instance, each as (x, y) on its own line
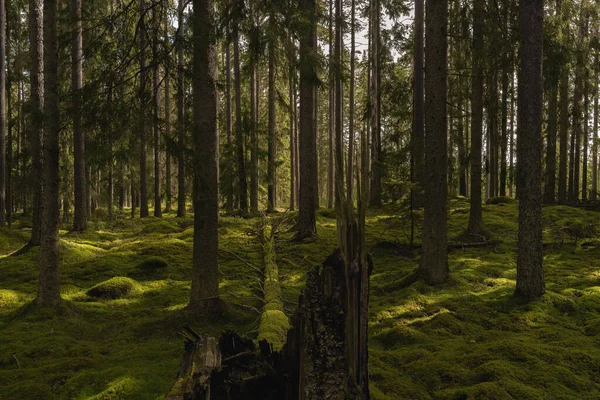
(114, 288)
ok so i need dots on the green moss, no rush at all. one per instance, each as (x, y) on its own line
(501, 200)
(114, 288)
(153, 263)
(162, 227)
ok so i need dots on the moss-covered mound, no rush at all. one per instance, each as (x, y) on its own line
(153, 263)
(501, 200)
(161, 227)
(114, 288)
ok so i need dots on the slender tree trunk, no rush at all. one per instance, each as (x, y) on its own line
(292, 95)
(229, 170)
(143, 99)
(3, 171)
(36, 75)
(253, 138)
(418, 122)
(122, 193)
(530, 272)
(332, 66)
(339, 99)
(586, 107)
(155, 114)
(80, 217)
(9, 148)
(376, 167)
(550, 181)
(564, 126)
(272, 146)
(239, 138)
(595, 134)
(511, 175)
(181, 195)
(351, 133)
(434, 261)
(111, 190)
(205, 270)
(168, 193)
(308, 156)
(48, 289)
(475, 216)
(504, 140)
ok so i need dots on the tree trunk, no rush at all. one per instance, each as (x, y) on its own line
(350, 171)
(376, 167)
(229, 164)
(339, 99)
(331, 141)
(3, 171)
(181, 195)
(239, 138)
(292, 96)
(595, 135)
(205, 270)
(36, 53)
(48, 290)
(530, 272)
(143, 99)
(550, 181)
(511, 172)
(475, 215)
(80, 217)
(504, 139)
(434, 261)
(418, 109)
(155, 115)
(253, 138)
(168, 193)
(586, 107)
(307, 150)
(272, 146)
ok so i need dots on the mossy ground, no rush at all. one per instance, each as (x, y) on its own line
(465, 339)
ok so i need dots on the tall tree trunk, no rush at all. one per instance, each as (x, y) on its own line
(80, 217)
(3, 171)
(307, 225)
(9, 148)
(292, 96)
(586, 107)
(272, 146)
(239, 138)
(48, 290)
(181, 195)
(155, 114)
(504, 139)
(253, 138)
(168, 193)
(434, 261)
(530, 272)
(564, 131)
(205, 270)
(339, 99)
(143, 99)
(511, 172)
(475, 215)
(595, 135)
(376, 167)
(36, 55)
(417, 149)
(331, 141)
(350, 172)
(229, 165)
(550, 181)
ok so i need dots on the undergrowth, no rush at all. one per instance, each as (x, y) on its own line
(466, 339)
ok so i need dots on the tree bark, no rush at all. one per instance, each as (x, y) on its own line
(550, 181)
(36, 79)
(48, 289)
(475, 215)
(434, 261)
(418, 108)
(530, 272)
(253, 138)
(155, 114)
(168, 193)
(3, 171)
(181, 195)
(594, 193)
(239, 138)
(80, 216)
(351, 133)
(229, 170)
(272, 146)
(376, 167)
(205, 270)
(307, 147)
(331, 141)
(143, 99)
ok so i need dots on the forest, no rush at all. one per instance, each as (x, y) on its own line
(299, 199)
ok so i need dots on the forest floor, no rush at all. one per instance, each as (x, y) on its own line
(126, 283)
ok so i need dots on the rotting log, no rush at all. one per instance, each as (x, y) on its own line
(274, 323)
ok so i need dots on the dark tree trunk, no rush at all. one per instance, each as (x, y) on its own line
(229, 165)
(181, 195)
(376, 167)
(331, 144)
(434, 261)
(594, 193)
(253, 138)
(550, 181)
(418, 108)
(272, 146)
(292, 96)
(504, 139)
(168, 192)
(3, 171)
(530, 272)
(475, 216)
(307, 147)
(48, 290)
(350, 171)
(586, 106)
(205, 271)
(80, 217)
(36, 53)
(155, 116)
(239, 137)
(143, 99)
(564, 131)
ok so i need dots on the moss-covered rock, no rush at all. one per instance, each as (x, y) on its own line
(114, 288)
(153, 263)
